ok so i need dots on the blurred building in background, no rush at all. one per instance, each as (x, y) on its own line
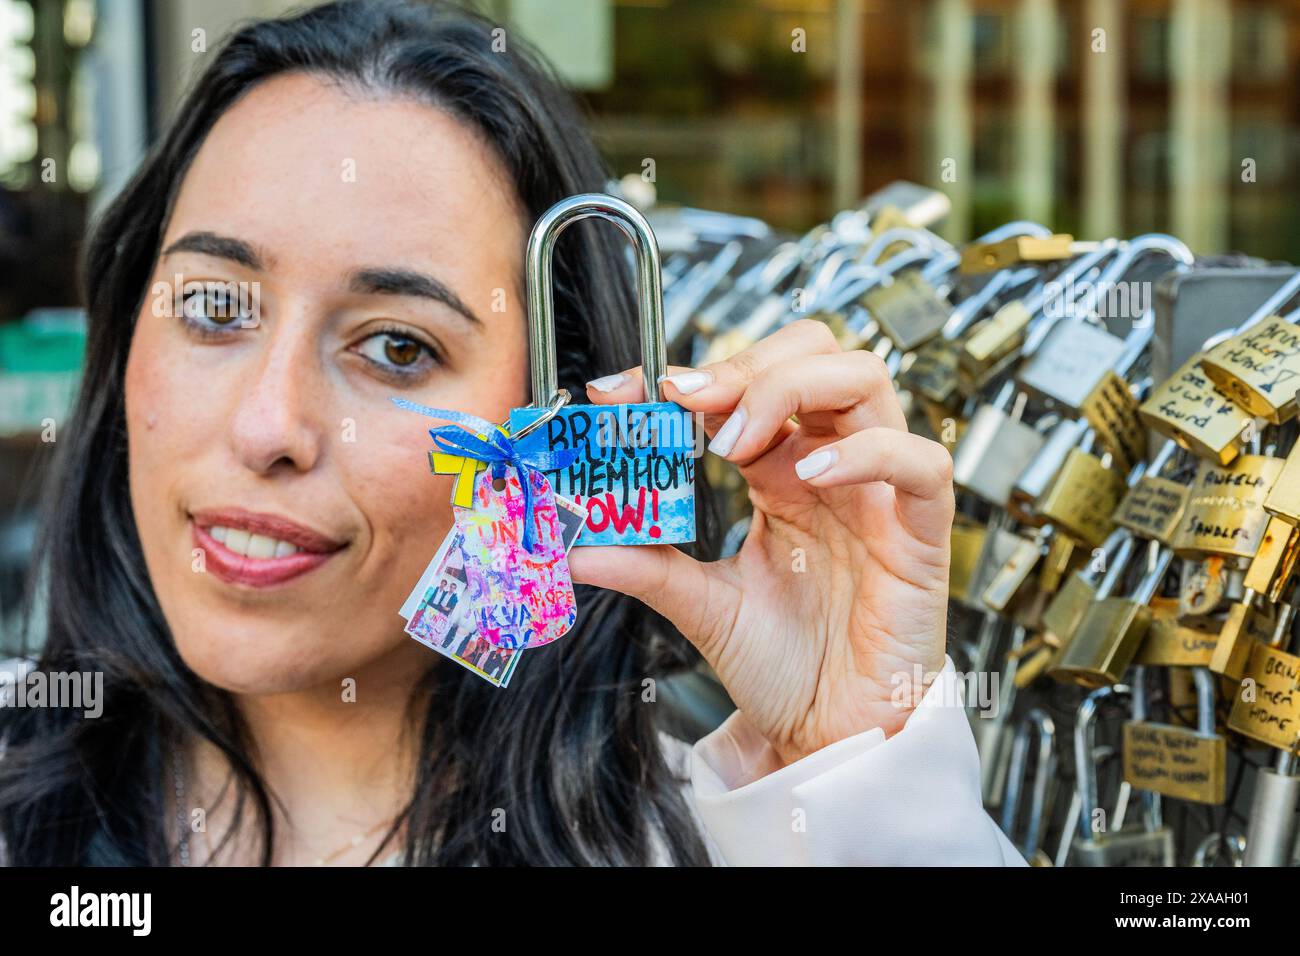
(1095, 117)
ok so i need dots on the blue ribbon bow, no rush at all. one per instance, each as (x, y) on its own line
(497, 450)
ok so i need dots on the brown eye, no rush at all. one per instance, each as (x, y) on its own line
(402, 351)
(397, 353)
(215, 305)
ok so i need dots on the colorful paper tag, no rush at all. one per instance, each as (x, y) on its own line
(433, 608)
(516, 599)
(635, 473)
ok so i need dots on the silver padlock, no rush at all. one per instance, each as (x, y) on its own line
(1043, 468)
(995, 448)
(1270, 836)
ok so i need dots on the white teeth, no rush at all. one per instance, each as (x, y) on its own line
(237, 540)
(260, 546)
(256, 546)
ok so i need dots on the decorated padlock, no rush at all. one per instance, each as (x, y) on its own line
(635, 473)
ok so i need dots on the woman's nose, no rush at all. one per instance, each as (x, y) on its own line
(277, 417)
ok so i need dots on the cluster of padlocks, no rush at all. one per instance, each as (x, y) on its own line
(1121, 416)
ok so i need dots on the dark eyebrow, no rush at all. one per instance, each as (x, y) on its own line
(409, 282)
(223, 247)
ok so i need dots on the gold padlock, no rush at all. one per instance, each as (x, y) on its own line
(1083, 498)
(1176, 761)
(967, 539)
(991, 346)
(1189, 408)
(932, 372)
(908, 308)
(980, 257)
(1090, 583)
(1284, 497)
(1111, 631)
(1267, 708)
(1260, 369)
(1225, 507)
(1173, 643)
(1269, 573)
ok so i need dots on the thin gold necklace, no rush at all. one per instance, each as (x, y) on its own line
(179, 781)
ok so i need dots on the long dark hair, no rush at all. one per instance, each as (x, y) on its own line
(579, 770)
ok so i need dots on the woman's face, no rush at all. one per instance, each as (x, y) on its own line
(285, 505)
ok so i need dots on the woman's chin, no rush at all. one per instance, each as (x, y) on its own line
(266, 664)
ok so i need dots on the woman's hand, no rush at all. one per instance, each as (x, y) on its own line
(842, 583)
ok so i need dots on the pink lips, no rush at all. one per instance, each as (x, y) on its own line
(260, 572)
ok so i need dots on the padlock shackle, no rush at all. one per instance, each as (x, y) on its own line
(1085, 737)
(541, 301)
(1038, 723)
(1205, 697)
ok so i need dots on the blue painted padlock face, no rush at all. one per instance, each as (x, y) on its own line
(635, 474)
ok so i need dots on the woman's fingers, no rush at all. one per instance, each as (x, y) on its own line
(833, 395)
(920, 471)
(716, 388)
(623, 387)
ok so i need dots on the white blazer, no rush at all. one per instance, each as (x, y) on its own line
(911, 800)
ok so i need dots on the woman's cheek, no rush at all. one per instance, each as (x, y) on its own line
(407, 508)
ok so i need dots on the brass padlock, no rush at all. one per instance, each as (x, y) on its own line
(1284, 497)
(1176, 761)
(1268, 574)
(1267, 707)
(1038, 476)
(981, 257)
(1174, 643)
(967, 540)
(1056, 563)
(1196, 413)
(1153, 505)
(1225, 507)
(1260, 369)
(1093, 581)
(1112, 630)
(908, 308)
(1083, 498)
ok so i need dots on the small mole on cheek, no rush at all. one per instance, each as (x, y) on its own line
(150, 420)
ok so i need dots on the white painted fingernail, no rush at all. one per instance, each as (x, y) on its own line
(725, 440)
(607, 383)
(816, 463)
(687, 382)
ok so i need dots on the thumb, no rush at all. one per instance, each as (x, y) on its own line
(671, 582)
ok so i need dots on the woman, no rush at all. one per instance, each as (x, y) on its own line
(372, 169)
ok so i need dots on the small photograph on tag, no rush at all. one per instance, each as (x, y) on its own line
(573, 518)
(426, 579)
(439, 624)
